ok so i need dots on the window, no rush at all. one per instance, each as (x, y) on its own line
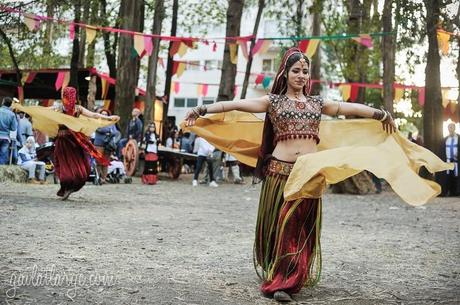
(179, 102)
(267, 65)
(192, 102)
(193, 65)
(208, 101)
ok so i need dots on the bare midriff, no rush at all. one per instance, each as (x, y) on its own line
(290, 150)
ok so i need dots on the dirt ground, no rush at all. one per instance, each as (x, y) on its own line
(175, 244)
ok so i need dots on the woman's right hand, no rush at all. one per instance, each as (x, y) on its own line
(190, 118)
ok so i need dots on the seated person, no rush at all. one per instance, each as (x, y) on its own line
(27, 160)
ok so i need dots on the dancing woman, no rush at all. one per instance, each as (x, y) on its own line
(72, 148)
(287, 241)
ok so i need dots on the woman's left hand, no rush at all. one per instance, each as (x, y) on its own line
(114, 118)
(389, 124)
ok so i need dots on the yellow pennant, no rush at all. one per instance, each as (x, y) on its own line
(445, 98)
(182, 49)
(399, 93)
(139, 44)
(346, 91)
(180, 69)
(31, 23)
(199, 90)
(104, 88)
(90, 34)
(233, 53)
(24, 77)
(66, 80)
(312, 47)
(443, 42)
(107, 104)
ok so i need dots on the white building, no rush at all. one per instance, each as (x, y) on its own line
(204, 68)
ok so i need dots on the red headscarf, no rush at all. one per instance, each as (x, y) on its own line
(69, 99)
(279, 87)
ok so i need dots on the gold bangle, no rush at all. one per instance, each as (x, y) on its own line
(338, 109)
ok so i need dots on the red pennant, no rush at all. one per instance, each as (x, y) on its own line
(174, 48)
(354, 93)
(421, 96)
(175, 66)
(259, 79)
(204, 90)
(72, 31)
(303, 45)
(188, 42)
(214, 47)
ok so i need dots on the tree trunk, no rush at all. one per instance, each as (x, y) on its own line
(253, 42)
(169, 68)
(227, 79)
(110, 50)
(47, 49)
(316, 60)
(92, 45)
(432, 110)
(13, 57)
(388, 53)
(153, 61)
(458, 78)
(131, 13)
(74, 64)
(81, 55)
(299, 24)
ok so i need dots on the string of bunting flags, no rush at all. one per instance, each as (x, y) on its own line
(143, 42)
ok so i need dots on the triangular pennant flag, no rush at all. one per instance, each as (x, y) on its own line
(32, 22)
(188, 42)
(233, 53)
(309, 46)
(139, 44)
(175, 87)
(21, 94)
(182, 49)
(104, 88)
(199, 87)
(443, 42)
(399, 93)
(31, 77)
(453, 107)
(180, 69)
(148, 45)
(174, 48)
(214, 47)
(354, 93)
(72, 31)
(421, 96)
(204, 91)
(259, 79)
(66, 80)
(266, 82)
(90, 34)
(24, 77)
(445, 98)
(346, 91)
(107, 104)
(364, 39)
(133, 53)
(244, 47)
(59, 80)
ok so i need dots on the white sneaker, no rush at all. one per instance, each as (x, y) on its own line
(194, 182)
(213, 184)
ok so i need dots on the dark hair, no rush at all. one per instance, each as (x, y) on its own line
(7, 101)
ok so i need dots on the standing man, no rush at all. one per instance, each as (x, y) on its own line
(24, 128)
(8, 127)
(204, 151)
(449, 179)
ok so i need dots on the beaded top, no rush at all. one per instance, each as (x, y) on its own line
(295, 119)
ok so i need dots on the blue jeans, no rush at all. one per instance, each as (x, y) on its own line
(4, 151)
(199, 164)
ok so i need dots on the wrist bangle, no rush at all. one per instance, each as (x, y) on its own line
(338, 109)
(385, 115)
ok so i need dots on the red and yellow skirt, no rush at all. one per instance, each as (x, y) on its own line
(287, 250)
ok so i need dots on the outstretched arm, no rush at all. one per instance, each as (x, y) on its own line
(355, 109)
(95, 115)
(253, 105)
